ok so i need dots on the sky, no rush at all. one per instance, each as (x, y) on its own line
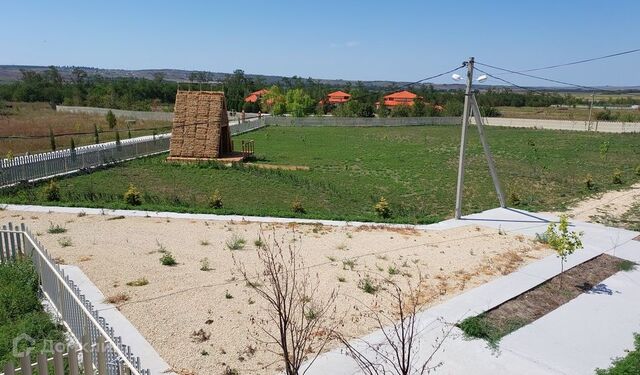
(355, 40)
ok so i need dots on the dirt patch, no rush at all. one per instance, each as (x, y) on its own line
(278, 166)
(406, 231)
(607, 206)
(543, 299)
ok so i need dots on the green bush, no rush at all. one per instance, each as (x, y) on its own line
(368, 286)
(588, 182)
(453, 108)
(478, 327)
(52, 191)
(18, 293)
(616, 177)
(401, 111)
(133, 196)
(625, 365)
(236, 243)
(215, 200)
(20, 309)
(297, 207)
(514, 198)
(638, 170)
(606, 115)
(111, 119)
(382, 208)
(56, 229)
(488, 111)
(167, 259)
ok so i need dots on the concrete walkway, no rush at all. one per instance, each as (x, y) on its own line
(576, 338)
(122, 327)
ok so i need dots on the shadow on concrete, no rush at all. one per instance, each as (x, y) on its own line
(597, 289)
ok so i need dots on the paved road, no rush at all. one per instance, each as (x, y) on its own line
(604, 127)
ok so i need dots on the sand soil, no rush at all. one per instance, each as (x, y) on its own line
(608, 205)
(202, 322)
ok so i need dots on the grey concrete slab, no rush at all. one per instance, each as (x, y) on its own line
(149, 358)
(588, 331)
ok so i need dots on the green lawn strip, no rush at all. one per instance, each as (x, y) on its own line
(525, 308)
(21, 311)
(481, 327)
(414, 168)
(627, 365)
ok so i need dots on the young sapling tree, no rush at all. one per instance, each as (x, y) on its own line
(562, 240)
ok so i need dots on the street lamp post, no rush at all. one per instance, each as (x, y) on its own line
(463, 138)
(471, 108)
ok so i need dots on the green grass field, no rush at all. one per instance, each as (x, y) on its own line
(21, 311)
(414, 168)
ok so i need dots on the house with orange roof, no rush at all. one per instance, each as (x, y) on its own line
(255, 96)
(338, 97)
(401, 98)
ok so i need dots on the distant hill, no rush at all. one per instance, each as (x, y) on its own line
(9, 73)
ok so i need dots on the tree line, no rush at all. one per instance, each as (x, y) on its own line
(297, 96)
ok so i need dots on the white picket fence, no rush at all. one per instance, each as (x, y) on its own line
(76, 361)
(50, 164)
(56, 163)
(106, 353)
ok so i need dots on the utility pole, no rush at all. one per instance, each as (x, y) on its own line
(463, 138)
(590, 109)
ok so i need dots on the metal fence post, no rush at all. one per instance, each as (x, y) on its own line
(60, 298)
(102, 362)
(87, 357)
(42, 364)
(25, 364)
(72, 357)
(9, 368)
(58, 362)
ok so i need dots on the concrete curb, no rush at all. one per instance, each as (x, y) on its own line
(121, 325)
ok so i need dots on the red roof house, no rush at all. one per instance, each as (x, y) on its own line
(400, 98)
(338, 97)
(255, 96)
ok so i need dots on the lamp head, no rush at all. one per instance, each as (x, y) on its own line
(456, 77)
(482, 78)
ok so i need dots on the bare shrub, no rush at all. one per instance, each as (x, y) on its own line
(117, 298)
(398, 352)
(297, 323)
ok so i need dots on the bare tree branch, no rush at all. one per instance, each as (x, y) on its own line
(398, 349)
(297, 318)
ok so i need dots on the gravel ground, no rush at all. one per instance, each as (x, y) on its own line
(608, 204)
(182, 299)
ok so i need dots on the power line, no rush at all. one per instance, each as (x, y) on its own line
(509, 82)
(580, 61)
(412, 83)
(543, 78)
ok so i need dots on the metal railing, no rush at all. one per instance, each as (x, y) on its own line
(57, 163)
(78, 315)
(50, 164)
(248, 147)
